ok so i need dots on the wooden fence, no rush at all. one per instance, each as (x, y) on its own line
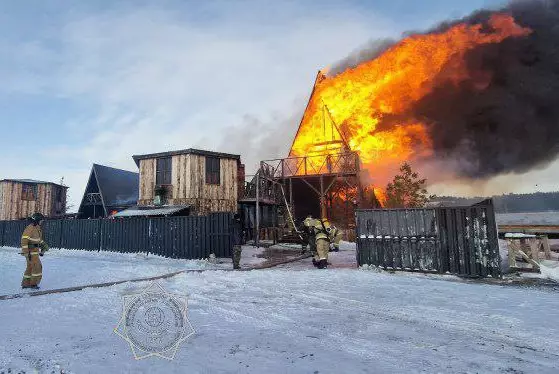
(191, 237)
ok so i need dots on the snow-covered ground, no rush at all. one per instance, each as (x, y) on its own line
(292, 319)
(67, 268)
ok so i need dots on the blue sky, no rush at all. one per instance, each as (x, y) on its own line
(99, 81)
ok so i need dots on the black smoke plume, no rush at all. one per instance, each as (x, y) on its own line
(511, 123)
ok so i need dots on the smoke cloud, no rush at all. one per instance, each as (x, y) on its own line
(512, 123)
(259, 139)
(505, 119)
(372, 50)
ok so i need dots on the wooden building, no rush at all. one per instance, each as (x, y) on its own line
(202, 180)
(20, 198)
(108, 191)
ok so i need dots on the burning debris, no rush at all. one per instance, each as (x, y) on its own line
(475, 97)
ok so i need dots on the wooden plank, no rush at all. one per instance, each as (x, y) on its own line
(534, 244)
(147, 181)
(546, 247)
(176, 176)
(529, 229)
(531, 261)
(512, 249)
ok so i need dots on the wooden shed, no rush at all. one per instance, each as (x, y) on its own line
(203, 180)
(20, 198)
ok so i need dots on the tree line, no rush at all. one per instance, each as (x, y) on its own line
(408, 190)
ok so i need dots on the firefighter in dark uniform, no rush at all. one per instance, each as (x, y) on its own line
(33, 246)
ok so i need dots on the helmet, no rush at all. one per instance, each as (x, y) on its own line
(37, 217)
(309, 221)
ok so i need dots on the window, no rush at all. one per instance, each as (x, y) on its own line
(29, 192)
(212, 170)
(163, 171)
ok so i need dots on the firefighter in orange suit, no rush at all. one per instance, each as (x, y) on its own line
(33, 246)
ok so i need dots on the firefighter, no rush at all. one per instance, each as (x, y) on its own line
(323, 238)
(309, 227)
(33, 246)
(336, 237)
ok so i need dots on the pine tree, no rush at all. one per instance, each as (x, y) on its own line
(407, 190)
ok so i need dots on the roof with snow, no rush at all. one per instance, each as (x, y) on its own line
(201, 152)
(152, 211)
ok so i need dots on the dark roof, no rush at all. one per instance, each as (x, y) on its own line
(31, 181)
(117, 187)
(137, 158)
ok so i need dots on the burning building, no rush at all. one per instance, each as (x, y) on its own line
(468, 99)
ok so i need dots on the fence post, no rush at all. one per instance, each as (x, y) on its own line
(357, 239)
(60, 234)
(100, 234)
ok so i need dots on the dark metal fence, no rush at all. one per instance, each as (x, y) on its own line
(191, 237)
(457, 240)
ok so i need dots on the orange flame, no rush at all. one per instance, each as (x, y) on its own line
(368, 106)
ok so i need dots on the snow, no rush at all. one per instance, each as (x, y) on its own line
(550, 270)
(290, 319)
(67, 268)
(518, 236)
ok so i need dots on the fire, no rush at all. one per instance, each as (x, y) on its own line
(370, 108)
(380, 195)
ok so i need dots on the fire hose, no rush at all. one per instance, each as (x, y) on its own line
(290, 215)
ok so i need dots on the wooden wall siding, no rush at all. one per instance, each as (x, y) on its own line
(182, 182)
(240, 181)
(147, 181)
(225, 190)
(189, 184)
(13, 207)
(57, 208)
(1, 200)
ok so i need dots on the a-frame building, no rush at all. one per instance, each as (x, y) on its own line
(322, 135)
(320, 177)
(108, 191)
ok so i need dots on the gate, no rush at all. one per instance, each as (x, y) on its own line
(457, 240)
